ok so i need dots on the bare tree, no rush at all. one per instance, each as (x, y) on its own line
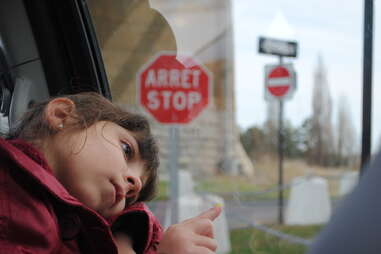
(271, 126)
(321, 136)
(346, 136)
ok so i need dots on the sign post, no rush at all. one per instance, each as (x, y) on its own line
(280, 85)
(173, 172)
(174, 93)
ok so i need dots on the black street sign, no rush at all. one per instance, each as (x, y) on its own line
(278, 47)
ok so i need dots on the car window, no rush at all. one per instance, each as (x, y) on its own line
(276, 140)
(210, 78)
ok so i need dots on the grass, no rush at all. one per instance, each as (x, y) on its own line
(266, 177)
(247, 241)
(224, 186)
(163, 191)
(228, 186)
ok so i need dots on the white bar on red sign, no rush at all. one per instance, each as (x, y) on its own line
(278, 81)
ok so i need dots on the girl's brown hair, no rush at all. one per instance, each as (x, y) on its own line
(90, 108)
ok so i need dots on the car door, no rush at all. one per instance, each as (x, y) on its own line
(47, 48)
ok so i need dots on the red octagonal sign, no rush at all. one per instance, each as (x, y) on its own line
(173, 92)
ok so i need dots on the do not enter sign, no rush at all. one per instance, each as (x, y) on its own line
(171, 92)
(279, 81)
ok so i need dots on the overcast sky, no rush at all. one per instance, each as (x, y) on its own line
(333, 29)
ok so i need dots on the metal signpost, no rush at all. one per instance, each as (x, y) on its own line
(367, 84)
(174, 94)
(280, 85)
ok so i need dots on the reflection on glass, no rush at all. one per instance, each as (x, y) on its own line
(321, 121)
(132, 33)
(4, 124)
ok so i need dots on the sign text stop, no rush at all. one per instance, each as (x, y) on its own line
(171, 92)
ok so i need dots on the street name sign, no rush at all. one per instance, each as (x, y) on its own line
(278, 47)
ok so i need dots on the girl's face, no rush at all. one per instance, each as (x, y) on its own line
(100, 166)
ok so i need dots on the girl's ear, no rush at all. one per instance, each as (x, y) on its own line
(58, 111)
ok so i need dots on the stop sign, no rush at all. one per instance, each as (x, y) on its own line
(172, 92)
(279, 81)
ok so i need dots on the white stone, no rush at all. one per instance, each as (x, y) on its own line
(347, 182)
(309, 202)
(4, 124)
(186, 184)
(190, 205)
(221, 229)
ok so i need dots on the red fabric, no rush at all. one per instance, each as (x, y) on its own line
(38, 215)
(143, 224)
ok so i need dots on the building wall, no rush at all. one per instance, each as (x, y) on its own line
(132, 32)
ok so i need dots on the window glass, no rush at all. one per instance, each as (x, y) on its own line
(201, 59)
(4, 124)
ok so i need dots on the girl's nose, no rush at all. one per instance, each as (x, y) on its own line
(134, 185)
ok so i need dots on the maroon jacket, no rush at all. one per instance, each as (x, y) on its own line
(38, 215)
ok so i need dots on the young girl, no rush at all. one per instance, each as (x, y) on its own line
(73, 176)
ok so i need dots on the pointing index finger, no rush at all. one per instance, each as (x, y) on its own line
(211, 213)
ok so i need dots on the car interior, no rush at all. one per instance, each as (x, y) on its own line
(47, 48)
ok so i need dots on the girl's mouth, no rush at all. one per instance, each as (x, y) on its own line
(119, 193)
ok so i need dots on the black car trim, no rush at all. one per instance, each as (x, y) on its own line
(94, 47)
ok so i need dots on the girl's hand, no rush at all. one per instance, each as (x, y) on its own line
(124, 243)
(191, 236)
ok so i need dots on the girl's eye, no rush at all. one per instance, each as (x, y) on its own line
(127, 149)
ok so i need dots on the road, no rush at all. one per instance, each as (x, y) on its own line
(238, 213)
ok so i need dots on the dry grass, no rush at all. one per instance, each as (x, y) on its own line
(266, 170)
(266, 176)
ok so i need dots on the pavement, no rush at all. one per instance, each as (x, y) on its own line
(239, 214)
